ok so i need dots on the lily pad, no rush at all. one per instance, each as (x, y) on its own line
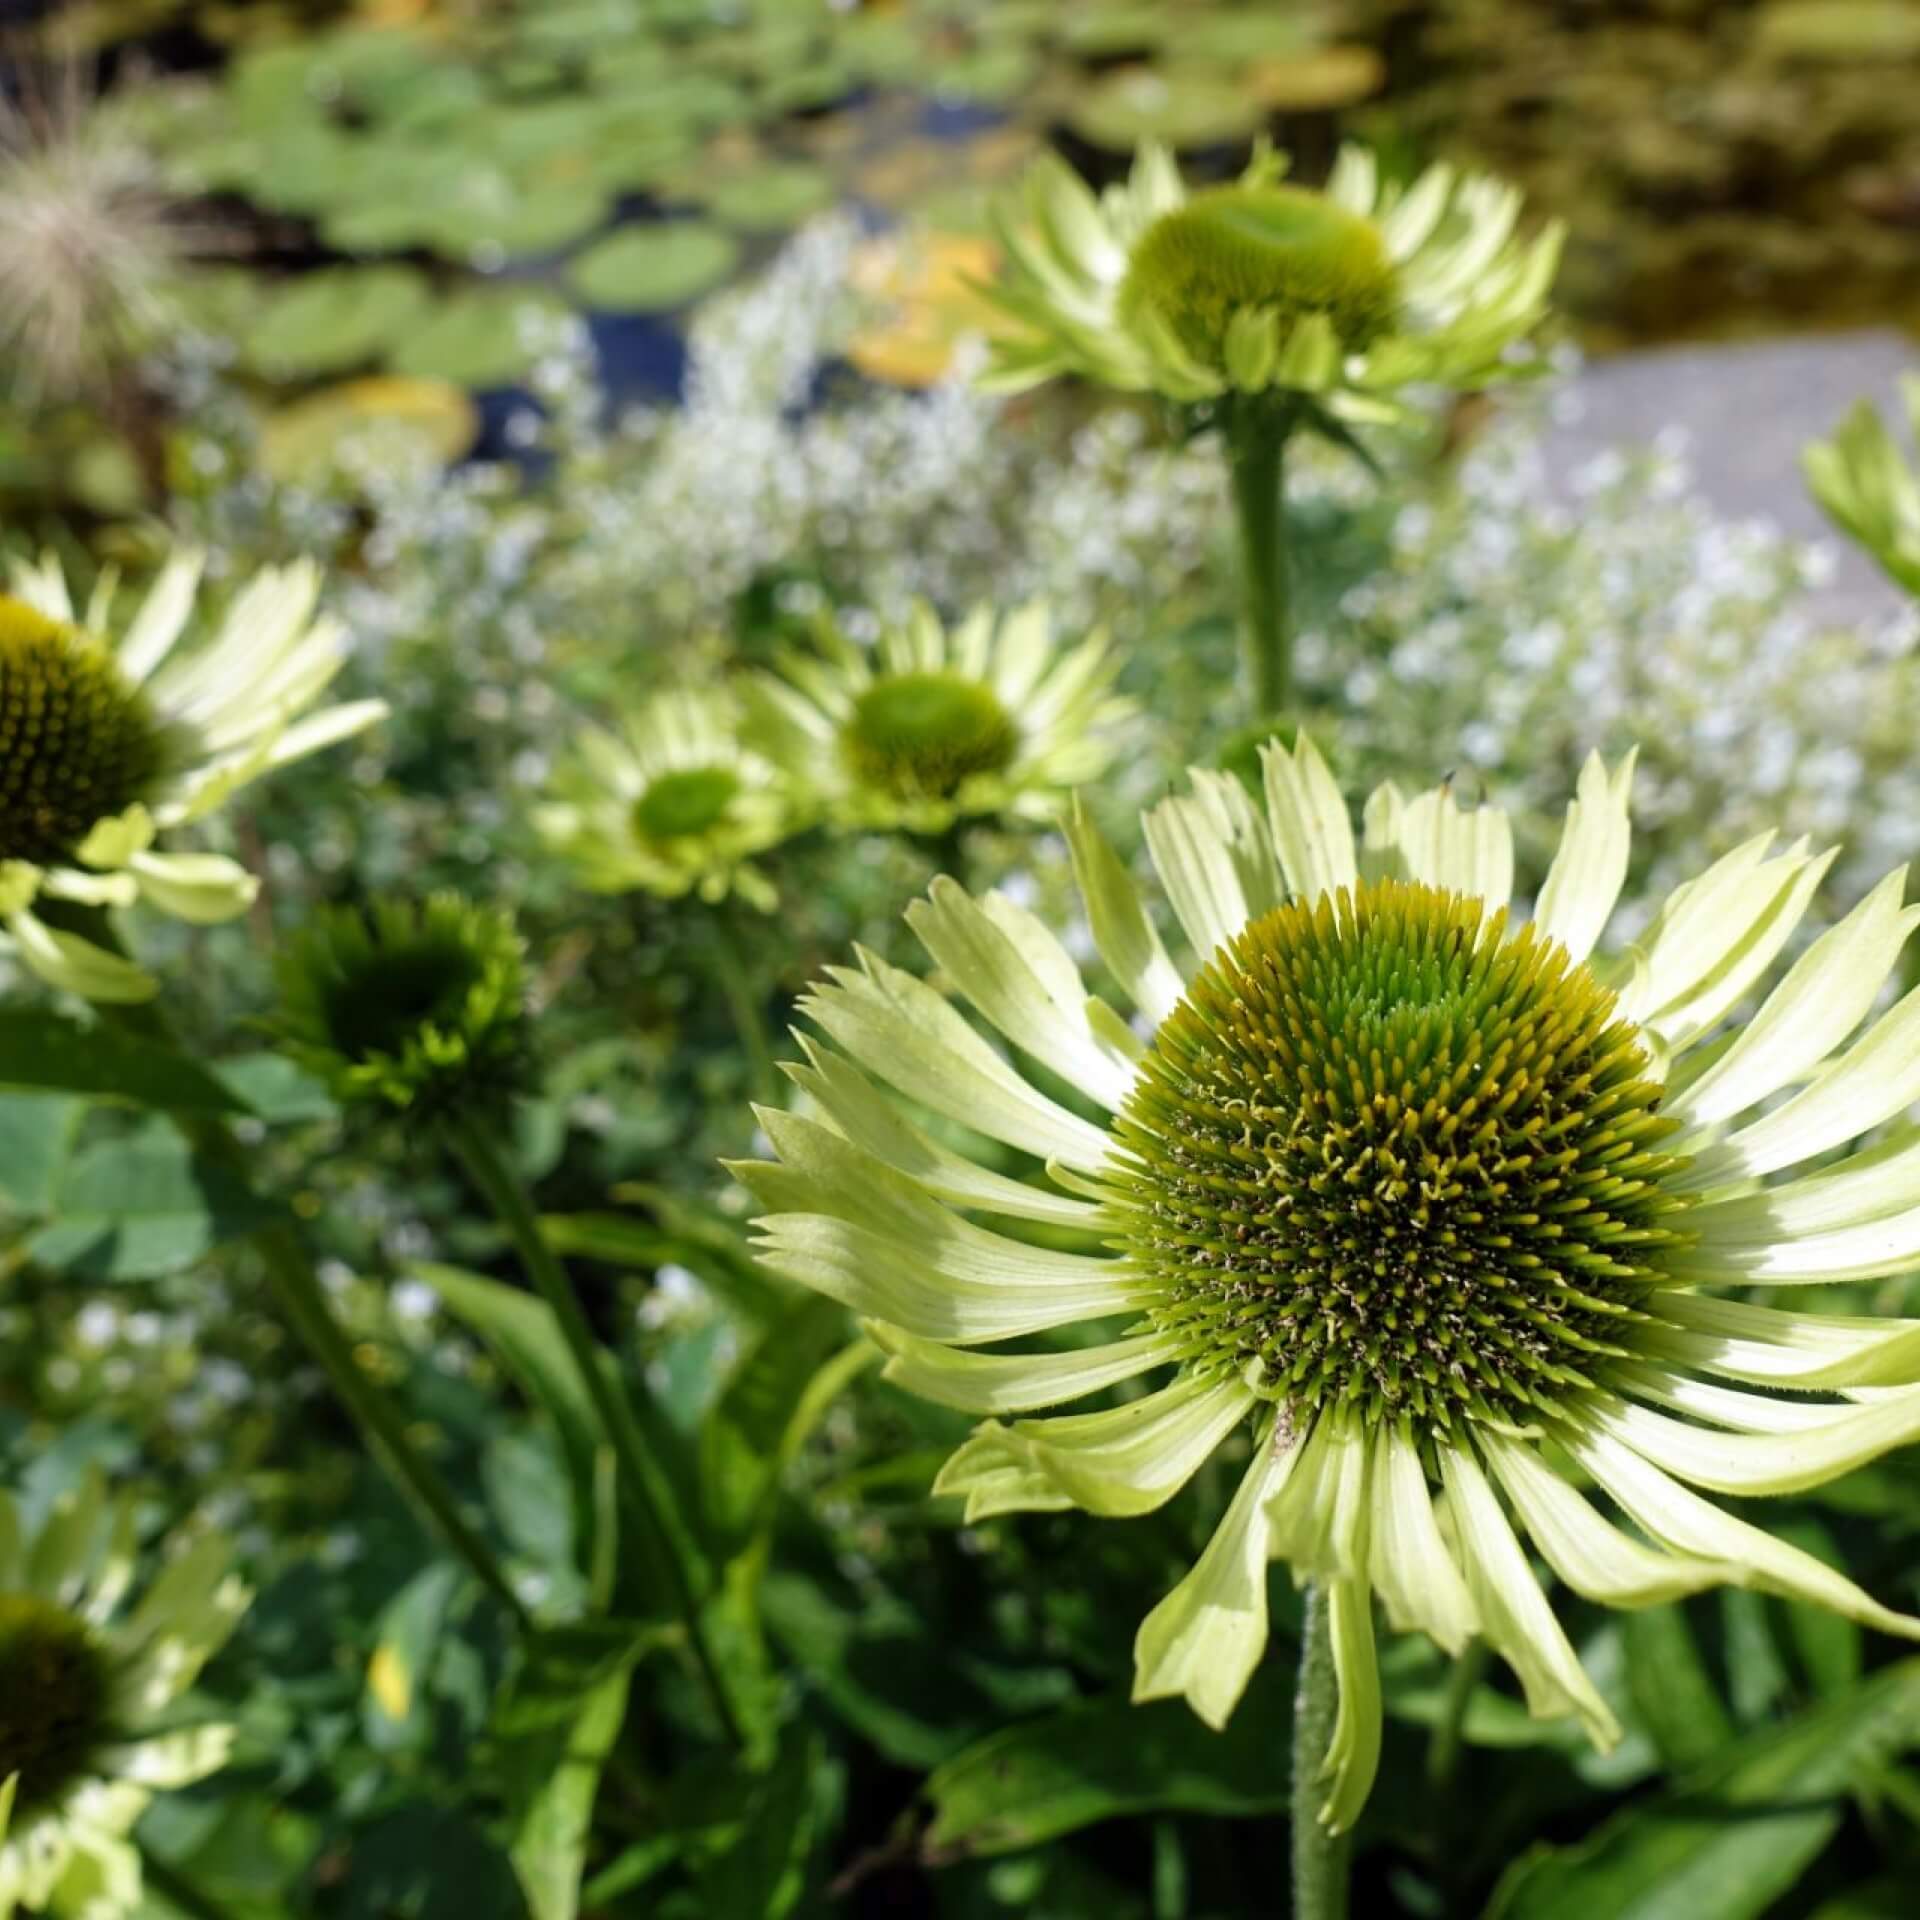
(482, 337)
(771, 199)
(1178, 108)
(1098, 32)
(337, 318)
(993, 76)
(1317, 82)
(430, 419)
(654, 269)
(1839, 31)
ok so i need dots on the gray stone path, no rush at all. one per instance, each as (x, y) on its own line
(1746, 410)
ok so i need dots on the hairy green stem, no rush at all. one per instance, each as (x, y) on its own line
(647, 1495)
(1320, 1858)
(1256, 455)
(748, 1008)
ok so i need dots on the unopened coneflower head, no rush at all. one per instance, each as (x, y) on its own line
(1346, 293)
(90, 1720)
(405, 1007)
(1430, 1202)
(673, 800)
(107, 743)
(1870, 488)
(931, 726)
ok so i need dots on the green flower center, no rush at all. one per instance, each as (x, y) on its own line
(922, 735)
(1388, 1155)
(53, 1696)
(686, 802)
(78, 742)
(377, 1006)
(1283, 249)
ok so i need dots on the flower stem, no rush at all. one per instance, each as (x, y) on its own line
(1256, 454)
(641, 1481)
(291, 1275)
(748, 1008)
(1320, 1858)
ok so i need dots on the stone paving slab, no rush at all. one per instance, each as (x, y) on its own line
(1746, 410)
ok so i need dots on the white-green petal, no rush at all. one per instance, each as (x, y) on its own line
(1205, 1638)
(1016, 972)
(1829, 990)
(993, 1480)
(1412, 1569)
(1769, 1347)
(899, 1028)
(1876, 1184)
(1214, 858)
(1764, 1462)
(1132, 1459)
(1518, 1622)
(1465, 851)
(847, 1225)
(1590, 866)
(203, 889)
(1690, 1524)
(1353, 1751)
(1126, 938)
(1017, 1382)
(1307, 816)
(1589, 1553)
(869, 1119)
(1876, 1078)
(1741, 1254)
(1321, 1515)
(74, 965)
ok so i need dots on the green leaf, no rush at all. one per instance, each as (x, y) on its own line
(1738, 1834)
(49, 1053)
(37, 1132)
(764, 1874)
(142, 1206)
(274, 1089)
(682, 1236)
(1671, 1688)
(553, 1782)
(479, 337)
(750, 1435)
(394, 1709)
(1107, 1758)
(337, 318)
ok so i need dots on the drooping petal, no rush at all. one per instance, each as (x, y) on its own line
(1412, 1568)
(1771, 1348)
(1690, 1524)
(993, 1479)
(1206, 1637)
(869, 1119)
(1321, 1513)
(1591, 865)
(1023, 980)
(1519, 1624)
(74, 965)
(1879, 1184)
(1353, 1753)
(899, 1028)
(1307, 816)
(1742, 1253)
(1591, 1555)
(1827, 993)
(203, 889)
(845, 1223)
(1126, 938)
(1131, 1459)
(1017, 1382)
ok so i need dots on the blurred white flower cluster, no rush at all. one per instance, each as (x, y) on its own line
(1524, 616)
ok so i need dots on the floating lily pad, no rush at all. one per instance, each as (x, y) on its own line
(1260, 33)
(484, 337)
(1148, 103)
(771, 199)
(638, 155)
(1098, 32)
(432, 419)
(1839, 30)
(809, 88)
(993, 76)
(567, 26)
(1317, 82)
(337, 318)
(656, 268)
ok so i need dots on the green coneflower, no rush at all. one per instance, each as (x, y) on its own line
(88, 1727)
(1430, 1200)
(416, 1009)
(1268, 309)
(675, 802)
(1869, 490)
(932, 727)
(105, 744)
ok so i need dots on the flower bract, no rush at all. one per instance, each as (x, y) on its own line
(1870, 489)
(1446, 1219)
